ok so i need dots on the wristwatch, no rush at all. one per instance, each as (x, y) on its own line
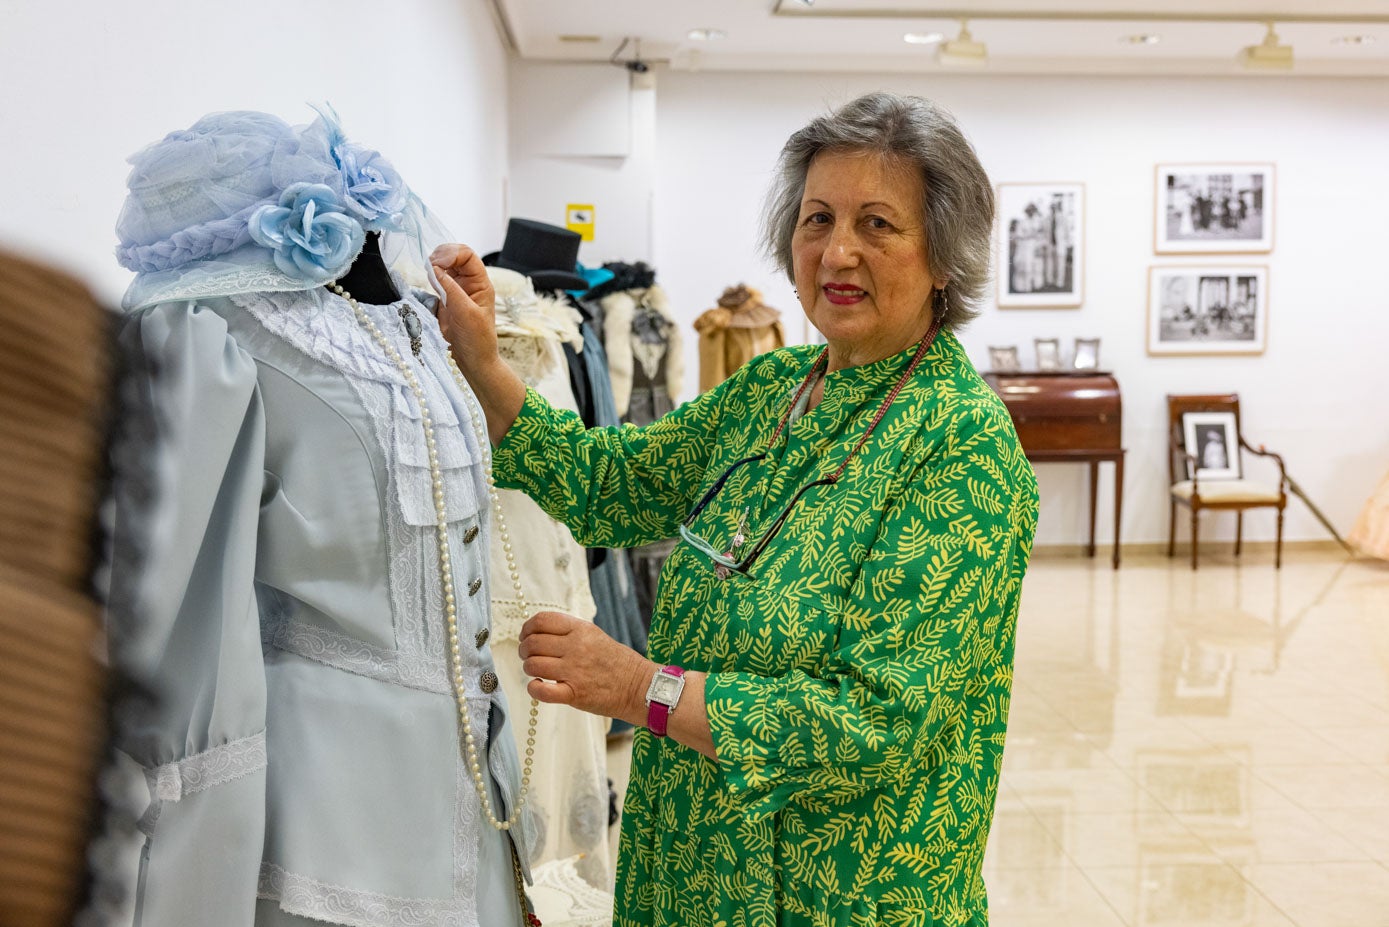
(662, 696)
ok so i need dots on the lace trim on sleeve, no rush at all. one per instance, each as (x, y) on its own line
(208, 769)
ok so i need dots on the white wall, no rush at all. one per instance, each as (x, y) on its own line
(87, 83)
(619, 187)
(1318, 394)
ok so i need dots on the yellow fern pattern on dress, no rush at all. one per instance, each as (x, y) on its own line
(859, 682)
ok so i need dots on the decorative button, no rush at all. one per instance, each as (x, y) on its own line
(470, 535)
(474, 586)
(482, 637)
(562, 561)
(488, 682)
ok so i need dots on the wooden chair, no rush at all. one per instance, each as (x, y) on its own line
(1217, 494)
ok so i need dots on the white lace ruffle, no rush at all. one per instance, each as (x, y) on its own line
(323, 326)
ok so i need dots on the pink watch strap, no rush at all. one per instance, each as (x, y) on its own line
(658, 715)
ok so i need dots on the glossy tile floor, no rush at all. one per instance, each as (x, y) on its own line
(1204, 749)
(1197, 749)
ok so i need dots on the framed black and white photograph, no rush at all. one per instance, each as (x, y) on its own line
(1213, 209)
(1087, 354)
(1207, 310)
(1212, 438)
(1041, 245)
(1004, 360)
(1048, 353)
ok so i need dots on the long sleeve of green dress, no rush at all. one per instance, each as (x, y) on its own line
(858, 681)
(613, 487)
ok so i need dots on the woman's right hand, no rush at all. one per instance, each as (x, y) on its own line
(467, 322)
(466, 317)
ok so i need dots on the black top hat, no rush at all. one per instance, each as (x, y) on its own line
(545, 253)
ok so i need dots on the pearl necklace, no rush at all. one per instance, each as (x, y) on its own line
(445, 569)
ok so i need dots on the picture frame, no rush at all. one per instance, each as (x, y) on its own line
(1213, 439)
(1048, 353)
(1213, 208)
(1041, 245)
(1207, 309)
(1004, 359)
(1087, 354)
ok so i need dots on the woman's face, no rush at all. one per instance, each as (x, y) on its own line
(860, 256)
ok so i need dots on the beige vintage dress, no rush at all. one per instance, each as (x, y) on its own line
(1370, 536)
(735, 331)
(569, 784)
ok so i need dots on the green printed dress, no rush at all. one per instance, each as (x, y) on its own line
(858, 682)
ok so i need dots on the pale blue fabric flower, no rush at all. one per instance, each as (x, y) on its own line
(375, 191)
(309, 232)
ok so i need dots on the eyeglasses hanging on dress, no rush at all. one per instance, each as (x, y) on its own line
(730, 562)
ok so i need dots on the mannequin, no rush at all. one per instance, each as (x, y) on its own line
(368, 279)
(735, 331)
(316, 752)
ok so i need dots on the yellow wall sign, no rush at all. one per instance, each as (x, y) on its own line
(578, 217)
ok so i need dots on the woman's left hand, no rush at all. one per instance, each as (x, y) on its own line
(577, 664)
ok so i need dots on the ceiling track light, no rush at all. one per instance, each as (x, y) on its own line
(1268, 55)
(962, 51)
(923, 38)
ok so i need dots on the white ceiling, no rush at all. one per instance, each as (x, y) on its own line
(1023, 36)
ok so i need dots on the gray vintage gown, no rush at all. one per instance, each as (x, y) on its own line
(304, 752)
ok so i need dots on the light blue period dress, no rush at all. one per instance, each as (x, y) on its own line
(302, 746)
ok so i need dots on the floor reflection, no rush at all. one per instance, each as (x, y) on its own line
(1194, 749)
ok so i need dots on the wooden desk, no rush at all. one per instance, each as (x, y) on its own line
(1072, 416)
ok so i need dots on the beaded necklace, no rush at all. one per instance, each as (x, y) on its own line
(442, 539)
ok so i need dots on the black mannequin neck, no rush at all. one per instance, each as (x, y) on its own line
(367, 279)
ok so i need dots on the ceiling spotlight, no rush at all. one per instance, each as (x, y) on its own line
(1268, 54)
(923, 38)
(807, 2)
(1354, 40)
(1142, 38)
(706, 35)
(962, 51)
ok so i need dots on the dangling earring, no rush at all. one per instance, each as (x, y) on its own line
(942, 303)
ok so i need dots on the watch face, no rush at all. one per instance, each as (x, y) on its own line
(665, 688)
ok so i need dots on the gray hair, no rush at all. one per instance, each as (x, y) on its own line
(958, 207)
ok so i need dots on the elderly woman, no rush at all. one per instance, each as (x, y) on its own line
(856, 521)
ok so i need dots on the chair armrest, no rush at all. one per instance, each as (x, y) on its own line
(1261, 451)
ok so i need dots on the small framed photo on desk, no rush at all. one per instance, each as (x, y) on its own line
(1005, 359)
(1087, 354)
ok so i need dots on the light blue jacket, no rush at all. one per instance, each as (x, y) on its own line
(304, 750)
